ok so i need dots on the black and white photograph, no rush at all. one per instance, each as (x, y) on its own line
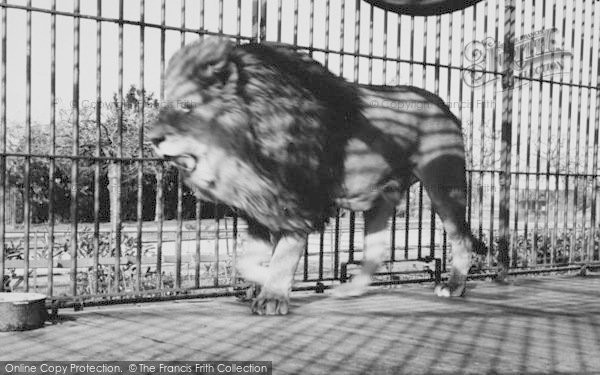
(299, 187)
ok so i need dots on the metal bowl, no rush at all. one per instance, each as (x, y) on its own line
(22, 311)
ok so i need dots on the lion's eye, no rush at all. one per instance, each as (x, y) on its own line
(188, 107)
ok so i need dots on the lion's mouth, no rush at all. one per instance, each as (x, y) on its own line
(185, 162)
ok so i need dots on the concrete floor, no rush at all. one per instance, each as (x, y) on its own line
(541, 325)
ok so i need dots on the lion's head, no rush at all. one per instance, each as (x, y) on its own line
(257, 127)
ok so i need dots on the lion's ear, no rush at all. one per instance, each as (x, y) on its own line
(215, 58)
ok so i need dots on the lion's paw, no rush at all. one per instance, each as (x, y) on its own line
(448, 290)
(355, 288)
(270, 303)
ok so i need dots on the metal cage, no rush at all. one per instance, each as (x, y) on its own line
(89, 215)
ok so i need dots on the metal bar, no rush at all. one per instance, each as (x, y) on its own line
(3, 149)
(27, 171)
(75, 151)
(96, 238)
(179, 234)
(116, 219)
(220, 16)
(549, 235)
(336, 246)
(263, 21)
(505, 150)
(140, 164)
(529, 255)
(438, 37)
(594, 207)
(321, 248)
(559, 136)
(482, 141)
(568, 153)
(197, 275)
(279, 10)
(149, 25)
(424, 85)
(216, 248)
(198, 242)
(255, 19)
(52, 167)
(296, 10)
(311, 30)
(327, 21)
(160, 166)
(493, 151)
(519, 101)
(577, 135)
(585, 250)
(538, 161)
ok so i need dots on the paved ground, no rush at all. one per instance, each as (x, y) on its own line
(542, 325)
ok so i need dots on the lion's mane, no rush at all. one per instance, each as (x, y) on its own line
(281, 112)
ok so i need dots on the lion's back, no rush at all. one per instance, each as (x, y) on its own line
(403, 127)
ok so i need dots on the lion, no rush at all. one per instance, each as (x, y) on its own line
(271, 132)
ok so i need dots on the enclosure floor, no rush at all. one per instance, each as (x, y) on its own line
(542, 325)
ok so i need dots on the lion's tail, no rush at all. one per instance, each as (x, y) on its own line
(479, 247)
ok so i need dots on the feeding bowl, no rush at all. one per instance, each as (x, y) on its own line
(22, 311)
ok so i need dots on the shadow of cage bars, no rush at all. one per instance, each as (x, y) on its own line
(88, 214)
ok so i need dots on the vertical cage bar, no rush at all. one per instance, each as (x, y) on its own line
(356, 79)
(262, 21)
(519, 101)
(3, 149)
(220, 16)
(75, 151)
(538, 159)
(179, 233)
(296, 10)
(279, 10)
(327, 22)
(482, 146)
(119, 164)
(198, 242)
(52, 167)
(160, 166)
(96, 240)
(216, 248)
(311, 30)
(548, 235)
(336, 246)
(594, 208)
(27, 172)
(470, 127)
(235, 248)
(519, 95)
(493, 151)
(506, 136)
(424, 85)
(410, 80)
(568, 144)
(198, 201)
(559, 142)
(577, 178)
(589, 241)
(529, 254)
(438, 37)
(140, 164)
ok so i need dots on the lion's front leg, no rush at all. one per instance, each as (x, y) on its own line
(376, 236)
(275, 294)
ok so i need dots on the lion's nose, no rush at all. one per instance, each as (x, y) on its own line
(157, 139)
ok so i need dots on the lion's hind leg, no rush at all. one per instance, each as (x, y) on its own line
(375, 245)
(444, 180)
